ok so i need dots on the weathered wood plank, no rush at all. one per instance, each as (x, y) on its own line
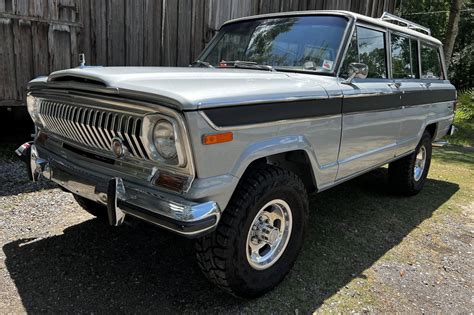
(134, 32)
(67, 10)
(85, 33)
(98, 32)
(39, 8)
(9, 6)
(152, 32)
(116, 33)
(23, 55)
(53, 12)
(184, 32)
(7, 61)
(59, 43)
(39, 32)
(208, 30)
(170, 33)
(21, 7)
(74, 60)
(220, 11)
(199, 28)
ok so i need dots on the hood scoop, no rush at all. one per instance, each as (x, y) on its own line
(76, 79)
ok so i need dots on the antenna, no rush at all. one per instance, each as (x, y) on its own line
(393, 18)
(82, 60)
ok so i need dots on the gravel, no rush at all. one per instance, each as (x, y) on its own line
(57, 258)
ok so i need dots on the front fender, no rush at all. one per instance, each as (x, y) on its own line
(272, 146)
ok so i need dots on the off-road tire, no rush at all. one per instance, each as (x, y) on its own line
(94, 208)
(401, 172)
(222, 254)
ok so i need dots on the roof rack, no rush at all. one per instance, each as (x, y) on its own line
(393, 18)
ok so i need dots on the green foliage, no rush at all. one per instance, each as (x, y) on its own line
(465, 107)
(464, 120)
(434, 15)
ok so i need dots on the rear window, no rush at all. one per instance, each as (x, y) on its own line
(430, 62)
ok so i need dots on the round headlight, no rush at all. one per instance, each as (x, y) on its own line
(164, 139)
(32, 104)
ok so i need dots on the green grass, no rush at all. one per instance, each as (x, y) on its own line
(464, 134)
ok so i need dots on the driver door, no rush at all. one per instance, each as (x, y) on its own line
(371, 106)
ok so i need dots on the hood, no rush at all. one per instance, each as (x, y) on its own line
(197, 88)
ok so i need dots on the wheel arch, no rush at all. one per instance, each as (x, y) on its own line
(291, 152)
(432, 129)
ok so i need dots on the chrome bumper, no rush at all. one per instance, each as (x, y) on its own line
(123, 198)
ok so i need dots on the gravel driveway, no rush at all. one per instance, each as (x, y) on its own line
(366, 251)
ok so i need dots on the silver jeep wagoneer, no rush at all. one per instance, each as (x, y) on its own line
(226, 150)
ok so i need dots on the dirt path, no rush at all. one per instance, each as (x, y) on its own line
(366, 251)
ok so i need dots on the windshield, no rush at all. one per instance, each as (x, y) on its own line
(308, 43)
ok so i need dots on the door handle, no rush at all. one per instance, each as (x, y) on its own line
(395, 85)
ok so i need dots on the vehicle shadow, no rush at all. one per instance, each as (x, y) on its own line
(96, 268)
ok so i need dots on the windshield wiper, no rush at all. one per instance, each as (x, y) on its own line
(200, 63)
(247, 65)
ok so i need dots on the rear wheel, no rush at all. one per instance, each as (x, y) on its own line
(408, 175)
(259, 236)
(94, 208)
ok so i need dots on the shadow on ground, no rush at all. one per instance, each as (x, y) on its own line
(96, 268)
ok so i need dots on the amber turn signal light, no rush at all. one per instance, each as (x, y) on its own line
(217, 138)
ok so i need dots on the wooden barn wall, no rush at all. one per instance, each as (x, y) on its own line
(36, 38)
(41, 36)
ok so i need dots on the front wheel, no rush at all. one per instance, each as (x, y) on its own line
(259, 236)
(408, 175)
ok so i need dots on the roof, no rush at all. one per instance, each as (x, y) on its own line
(352, 15)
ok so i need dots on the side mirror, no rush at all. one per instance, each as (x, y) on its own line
(356, 70)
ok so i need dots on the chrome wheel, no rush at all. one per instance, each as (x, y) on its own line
(420, 162)
(269, 234)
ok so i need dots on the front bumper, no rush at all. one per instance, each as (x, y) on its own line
(124, 198)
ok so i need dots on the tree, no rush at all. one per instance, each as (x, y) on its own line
(452, 29)
(436, 15)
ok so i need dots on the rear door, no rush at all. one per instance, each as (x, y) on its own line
(427, 98)
(371, 106)
(406, 74)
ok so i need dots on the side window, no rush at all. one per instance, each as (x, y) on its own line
(430, 62)
(404, 57)
(401, 57)
(367, 46)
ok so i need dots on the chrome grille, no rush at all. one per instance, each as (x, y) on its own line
(92, 127)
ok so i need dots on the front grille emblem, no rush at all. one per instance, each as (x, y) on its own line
(118, 148)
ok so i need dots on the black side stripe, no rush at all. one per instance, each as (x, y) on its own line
(414, 98)
(270, 112)
(355, 104)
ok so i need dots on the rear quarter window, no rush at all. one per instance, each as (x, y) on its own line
(430, 62)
